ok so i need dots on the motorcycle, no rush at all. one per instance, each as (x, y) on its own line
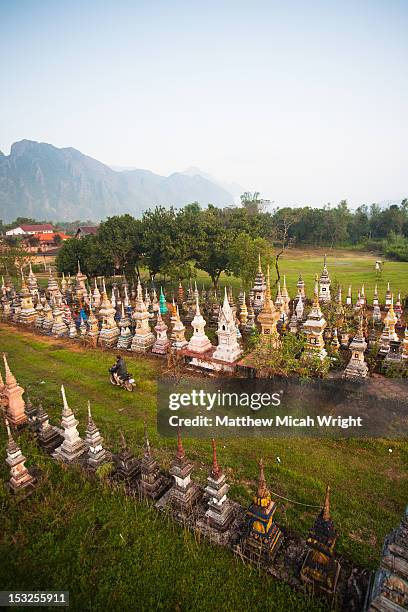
(127, 383)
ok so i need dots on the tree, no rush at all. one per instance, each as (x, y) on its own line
(213, 238)
(284, 219)
(167, 241)
(251, 202)
(120, 240)
(89, 254)
(244, 256)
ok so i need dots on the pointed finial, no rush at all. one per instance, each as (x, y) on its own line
(66, 411)
(103, 285)
(216, 470)
(10, 437)
(146, 441)
(262, 488)
(326, 506)
(259, 263)
(180, 450)
(10, 379)
(197, 306)
(89, 412)
(79, 267)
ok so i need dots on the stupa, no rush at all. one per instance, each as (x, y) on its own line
(48, 319)
(324, 294)
(152, 483)
(21, 480)
(220, 512)
(96, 455)
(162, 343)
(388, 590)
(243, 315)
(199, 342)
(388, 297)
(180, 295)
(162, 305)
(178, 340)
(72, 447)
(96, 295)
(228, 348)
(108, 336)
(262, 536)
(58, 329)
(49, 437)
(357, 367)
(127, 467)
(93, 326)
(268, 317)
(320, 569)
(349, 298)
(32, 282)
(125, 338)
(259, 288)
(13, 398)
(80, 287)
(143, 338)
(40, 315)
(184, 493)
(300, 285)
(28, 314)
(314, 327)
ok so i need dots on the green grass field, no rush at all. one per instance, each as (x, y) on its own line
(118, 553)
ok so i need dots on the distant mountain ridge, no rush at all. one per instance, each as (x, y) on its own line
(38, 180)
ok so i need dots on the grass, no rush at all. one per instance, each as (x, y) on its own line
(117, 553)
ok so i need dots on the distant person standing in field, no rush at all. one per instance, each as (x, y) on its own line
(378, 267)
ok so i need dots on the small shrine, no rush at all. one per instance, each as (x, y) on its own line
(13, 398)
(228, 348)
(184, 493)
(199, 342)
(143, 338)
(262, 536)
(28, 313)
(20, 478)
(268, 317)
(72, 447)
(259, 288)
(324, 293)
(96, 455)
(49, 438)
(357, 367)
(162, 343)
(125, 338)
(220, 512)
(314, 327)
(320, 569)
(127, 467)
(152, 483)
(178, 340)
(108, 336)
(389, 588)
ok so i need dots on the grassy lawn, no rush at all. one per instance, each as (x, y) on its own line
(121, 554)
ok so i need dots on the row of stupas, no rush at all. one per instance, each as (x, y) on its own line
(260, 536)
(124, 321)
(252, 533)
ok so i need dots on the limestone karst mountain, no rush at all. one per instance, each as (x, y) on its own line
(41, 181)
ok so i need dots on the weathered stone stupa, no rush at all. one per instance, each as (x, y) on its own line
(220, 513)
(73, 447)
(13, 398)
(143, 338)
(228, 348)
(21, 479)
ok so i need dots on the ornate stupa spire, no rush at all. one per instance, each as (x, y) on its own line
(96, 454)
(268, 317)
(147, 449)
(162, 342)
(324, 294)
(66, 410)
(263, 491)
(10, 379)
(326, 505)
(357, 367)
(180, 454)
(259, 288)
(199, 342)
(216, 470)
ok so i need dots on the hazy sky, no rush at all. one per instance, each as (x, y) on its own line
(306, 102)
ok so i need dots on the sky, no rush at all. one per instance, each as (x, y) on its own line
(305, 102)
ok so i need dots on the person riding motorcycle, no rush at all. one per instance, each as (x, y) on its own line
(119, 368)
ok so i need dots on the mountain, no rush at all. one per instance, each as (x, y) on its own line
(38, 180)
(235, 189)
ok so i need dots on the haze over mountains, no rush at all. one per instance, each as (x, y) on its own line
(41, 181)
